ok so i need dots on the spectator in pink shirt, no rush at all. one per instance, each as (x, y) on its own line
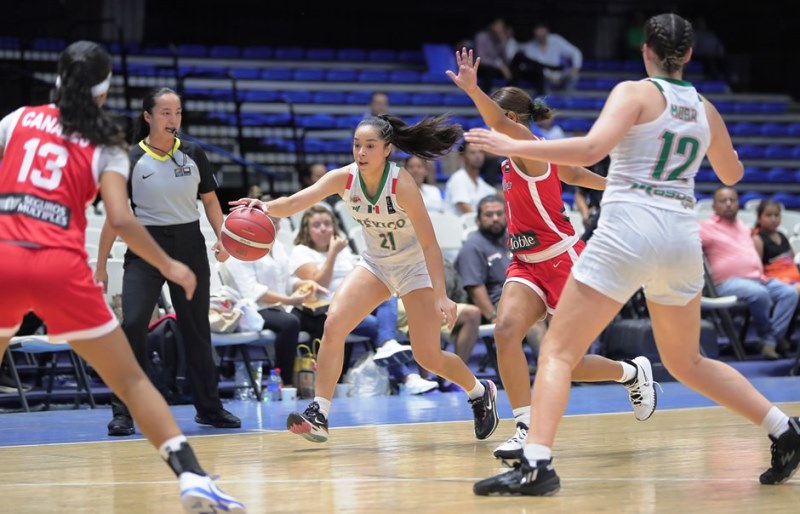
(737, 270)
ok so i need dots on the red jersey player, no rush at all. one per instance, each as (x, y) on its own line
(545, 247)
(53, 157)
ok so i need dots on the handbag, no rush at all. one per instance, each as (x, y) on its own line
(224, 322)
(304, 373)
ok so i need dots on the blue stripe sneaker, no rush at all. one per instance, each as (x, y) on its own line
(200, 495)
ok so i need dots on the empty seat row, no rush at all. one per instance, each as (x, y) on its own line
(754, 174)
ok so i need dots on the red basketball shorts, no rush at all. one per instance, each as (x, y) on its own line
(58, 286)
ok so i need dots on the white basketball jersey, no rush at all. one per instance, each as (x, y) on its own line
(388, 233)
(655, 163)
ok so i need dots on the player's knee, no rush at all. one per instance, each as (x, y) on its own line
(470, 314)
(429, 359)
(508, 333)
(682, 367)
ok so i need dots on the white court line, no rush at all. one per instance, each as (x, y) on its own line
(263, 481)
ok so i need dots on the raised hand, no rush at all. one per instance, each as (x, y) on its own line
(491, 141)
(249, 202)
(467, 78)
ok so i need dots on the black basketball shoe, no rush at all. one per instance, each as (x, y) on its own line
(311, 424)
(484, 409)
(524, 479)
(785, 455)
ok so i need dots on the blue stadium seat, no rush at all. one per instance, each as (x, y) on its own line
(259, 95)
(705, 175)
(751, 152)
(224, 95)
(12, 43)
(297, 97)
(192, 50)
(311, 145)
(206, 71)
(404, 76)
(341, 75)
(48, 44)
(554, 102)
(781, 176)
(321, 54)
(796, 153)
(348, 122)
(351, 54)
(329, 97)
(254, 119)
(411, 56)
(398, 98)
(257, 52)
(586, 84)
(439, 57)
(778, 152)
(789, 200)
(113, 47)
(157, 51)
(339, 146)
(569, 198)
(773, 129)
(633, 65)
(358, 97)
(753, 174)
(308, 75)
(750, 195)
(426, 99)
(747, 107)
(373, 76)
(246, 73)
(773, 107)
(435, 78)
(142, 69)
(224, 52)
(226, 118)
(456, 99)
(276, 74)
(317, 121)
(583, 103)
(745, 128)
(725, 106)
(290, 53)
(606, 83)
(793, 130)
(277, 119)
(474, 122)
(382, 55)
(711, 86)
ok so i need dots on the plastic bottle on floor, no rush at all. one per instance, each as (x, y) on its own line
(274, 386)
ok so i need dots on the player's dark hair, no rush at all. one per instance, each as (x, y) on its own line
(304, 234)
(141, 128)
(516, 100)
(670, 37)
(762, 206)
(430, 138)
(82, 65)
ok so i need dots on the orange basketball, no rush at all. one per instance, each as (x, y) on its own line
(248, 234)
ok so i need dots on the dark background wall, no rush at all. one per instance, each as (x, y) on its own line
(758, 35)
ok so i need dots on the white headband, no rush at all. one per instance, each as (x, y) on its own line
(97, 89)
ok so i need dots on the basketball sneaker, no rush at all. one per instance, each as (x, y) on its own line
(538, 479)
(415, 384)
(200, 495)
(785, 455)
(392, 352)
(641, 389)
(311, 424)
(484, 409)
(512, 449)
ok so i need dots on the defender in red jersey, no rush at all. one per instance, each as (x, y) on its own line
(53, 157)
(545, 247)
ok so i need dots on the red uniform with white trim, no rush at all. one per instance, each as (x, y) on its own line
(46, 182)
(540, 235)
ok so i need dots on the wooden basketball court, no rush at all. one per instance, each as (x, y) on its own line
(690, 460)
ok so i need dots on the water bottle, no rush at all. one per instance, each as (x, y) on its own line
(274, 385)
(242, 390)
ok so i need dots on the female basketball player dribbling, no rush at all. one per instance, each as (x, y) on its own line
(657, 131)
(53, 157)
(401, 256)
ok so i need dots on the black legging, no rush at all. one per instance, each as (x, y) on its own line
(287, 329)
(141, 287)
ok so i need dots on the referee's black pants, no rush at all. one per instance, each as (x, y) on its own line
(141, 287)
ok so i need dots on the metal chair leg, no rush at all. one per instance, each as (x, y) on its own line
(15, 375)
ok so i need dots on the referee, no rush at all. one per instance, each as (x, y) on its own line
(166, 176)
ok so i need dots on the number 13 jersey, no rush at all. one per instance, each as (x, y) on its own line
(655, 163)
(43, 200)
(388, 233)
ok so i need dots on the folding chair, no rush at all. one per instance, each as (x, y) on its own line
(721, 310)
(33, 345)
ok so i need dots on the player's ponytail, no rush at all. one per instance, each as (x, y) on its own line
(84, 73)
(516, 100)
(429, 139)
(670, 37)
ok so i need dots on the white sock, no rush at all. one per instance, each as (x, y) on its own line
(324, 405)
(523, 415)
(775, 422)
(629, 372)
(171, 445)
(389, 341)
(476, 391)
(537, 452)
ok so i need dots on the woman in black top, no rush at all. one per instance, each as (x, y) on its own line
(773, 246)
(166, 176)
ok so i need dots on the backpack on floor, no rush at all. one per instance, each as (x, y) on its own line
(166, 356)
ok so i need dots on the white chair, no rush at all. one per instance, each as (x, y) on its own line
(704, 205)
(95, 221)
(795, 231)
(92, 250)
(93, 236)
(468, 220)
(468, 232)
(751, 205)
(449, 232)
(747, 217)
(341, 210)
(790, 220)
(795, 242)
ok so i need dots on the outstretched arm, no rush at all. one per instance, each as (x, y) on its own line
(579, 176)
(331, 183)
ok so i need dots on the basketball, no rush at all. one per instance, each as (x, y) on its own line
(248, 234)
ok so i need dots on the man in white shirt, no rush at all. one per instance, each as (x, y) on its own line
(551, 51)
(465, 187)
